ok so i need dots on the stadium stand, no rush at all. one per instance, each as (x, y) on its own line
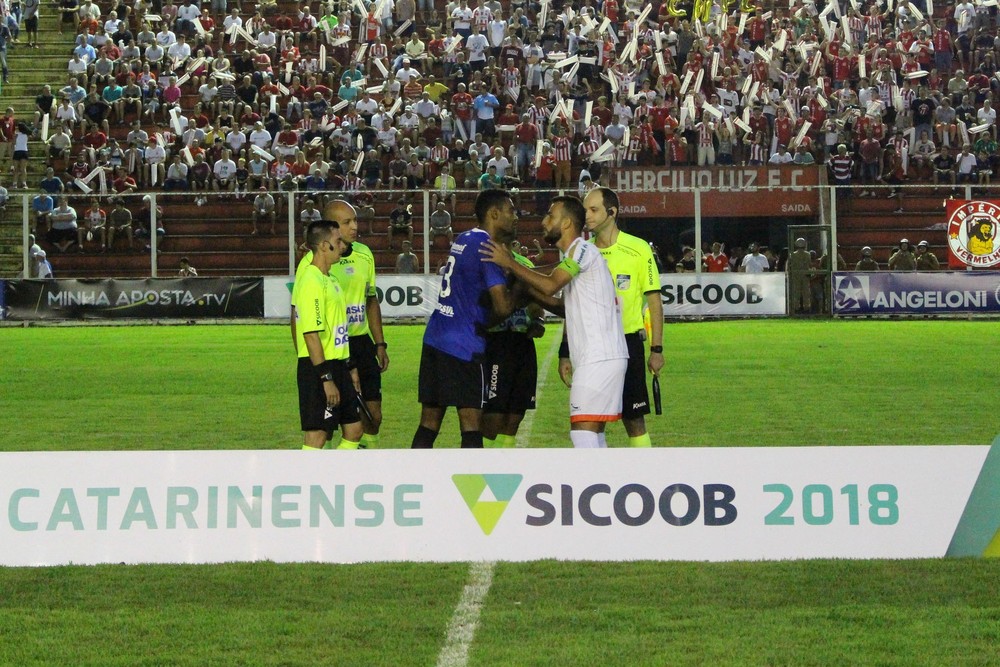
(381, 95)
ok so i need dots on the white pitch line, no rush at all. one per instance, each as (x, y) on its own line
(465, 618)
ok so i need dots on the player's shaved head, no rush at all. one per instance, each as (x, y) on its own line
(339, 210)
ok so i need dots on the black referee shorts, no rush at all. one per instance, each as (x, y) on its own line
(635, 395)
(313, 411)
(511, 370)
(363, 353)
(449, 381)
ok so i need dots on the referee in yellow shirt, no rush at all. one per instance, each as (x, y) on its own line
(327, 379)
(637, 283)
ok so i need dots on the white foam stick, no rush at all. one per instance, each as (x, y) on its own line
(976, 129)
(779, 44)
(338, 106)
(274, 103)
(613, 80)
(855, 5)
(815, 63)
(282, 89)
(743, 24)
(753, 90)
(394, 109)
(723, 20)
(627, 138)
(801, 134)
(847, 29)
(836, 9)
(131, 161)
(261, 152)
(588, 61)
(175, 121)
(86, 189)
(198, 27)
(874, 109)
(791, 110)
(454, 44)
(543, 16)
(743, 126)
(708, 108)
(184, 79)
(643, 15)
(746, 85)
(687, 81)
(340, 41)
(398, 32)
(248, 37)
(767, 15)
(659, 63)
(361, 7)
(820, 85)
(689, 103)
(964, 131)
(762, 53)
(373, 89)
(154, 172)
(45, 127)
(359, 142)
(462, 132)
(729, 126)
(357, 163)
(195, 64)
(605, 24)
(897, 99)
(862, 66)
(715, 63)
(587, 112)
(746, 115)
(627, 52)
(930, 7)
(822, 102)
(658, 37)
(827, 30)
(153, 18)
(381, 68)
(698, 29)
(316, 142)
(826, 10)
(186, 154)
(224, 76)
(915, 11)
(538, 153)
(359, 83)
(566, 62)
(322, 57)
(233, 33)
(919, 74)
(683, 117)
(588, 26)
(698, 80)
(359, 53)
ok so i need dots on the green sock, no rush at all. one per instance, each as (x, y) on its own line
(369, 441)
(640, 441)
(311, 449)
(506, 441)
(347, 444)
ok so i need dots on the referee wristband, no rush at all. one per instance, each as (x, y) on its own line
(564, 349)
(382, 344)
(656, 349)
(326, 377)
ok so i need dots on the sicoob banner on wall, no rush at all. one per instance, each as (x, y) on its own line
(148, 298)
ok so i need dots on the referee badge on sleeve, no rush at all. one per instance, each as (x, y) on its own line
(622, 281)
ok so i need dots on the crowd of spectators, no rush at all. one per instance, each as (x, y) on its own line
(362, 96)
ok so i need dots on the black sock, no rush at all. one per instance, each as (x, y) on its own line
(472, 439)
(423, 438)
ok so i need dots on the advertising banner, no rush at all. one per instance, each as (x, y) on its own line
(667, 192)
(722, 294)
(973, 227)
(149, 298)
(916, 293)
(707, 504)
(399, 296)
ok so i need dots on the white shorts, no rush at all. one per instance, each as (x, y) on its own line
(596, 394)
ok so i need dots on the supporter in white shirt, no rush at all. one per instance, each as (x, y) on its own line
(476, 44)
(260, 137)
(754, 262)
(179, 50)
(236, 140)
(782, 156)
(496, 31)
(987, 114)
(165, 37)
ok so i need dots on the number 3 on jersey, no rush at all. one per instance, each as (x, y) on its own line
(446, 277)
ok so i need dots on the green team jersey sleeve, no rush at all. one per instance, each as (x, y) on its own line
(356, 275)
(633, 270)
(319, 308)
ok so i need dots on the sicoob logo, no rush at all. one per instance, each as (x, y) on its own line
(487, 496)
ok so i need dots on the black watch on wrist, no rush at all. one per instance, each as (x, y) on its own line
(382, 344)
(326, 377)
(656, 349)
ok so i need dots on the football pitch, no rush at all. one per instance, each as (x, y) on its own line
(747, 383)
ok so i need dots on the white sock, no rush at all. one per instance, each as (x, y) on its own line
(584, 439)
(602, 440)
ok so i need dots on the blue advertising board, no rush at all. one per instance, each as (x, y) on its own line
(916, 293)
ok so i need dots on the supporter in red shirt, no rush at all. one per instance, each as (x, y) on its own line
(716, 261)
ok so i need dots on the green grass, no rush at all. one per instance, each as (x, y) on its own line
(726, 384)
(759, 383)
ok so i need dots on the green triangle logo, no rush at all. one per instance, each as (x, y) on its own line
(290, 286)
(487, 511)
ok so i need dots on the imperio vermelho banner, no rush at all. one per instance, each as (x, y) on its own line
(726, 192)
(973, 227)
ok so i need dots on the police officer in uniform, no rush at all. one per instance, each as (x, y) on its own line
(798, 268)
(903, 259)
(866, 263)
(926, 260)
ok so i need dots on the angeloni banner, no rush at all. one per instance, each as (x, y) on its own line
(973, 228)
(726, 192)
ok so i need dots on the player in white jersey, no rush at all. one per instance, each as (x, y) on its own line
(593, 319)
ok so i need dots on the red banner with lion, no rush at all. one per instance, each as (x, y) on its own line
(973, 230)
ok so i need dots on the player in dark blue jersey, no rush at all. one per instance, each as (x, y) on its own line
(474, 295)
